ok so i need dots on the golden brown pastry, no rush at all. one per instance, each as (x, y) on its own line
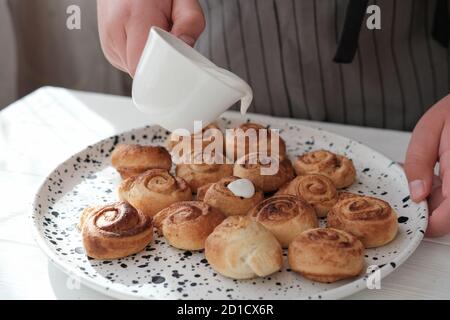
(198, 172)
(133, 159)
(286, 216)
(338, 168)
(326, 255)
(371, 220)
(187, 224)
(241, 141)
(266, 173)
(154, 190)
(318, 190)
(223, 199)
(114, 231)
(241, 248)
(209, 134)
(201, 192)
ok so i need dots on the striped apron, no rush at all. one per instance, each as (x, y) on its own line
(316, 59)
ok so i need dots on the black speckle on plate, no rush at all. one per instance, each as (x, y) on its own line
(158, 279)
(402, 219)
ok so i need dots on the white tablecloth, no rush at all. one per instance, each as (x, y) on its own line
(49, 125)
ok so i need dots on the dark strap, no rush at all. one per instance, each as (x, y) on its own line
(441, 24)
(348, 42)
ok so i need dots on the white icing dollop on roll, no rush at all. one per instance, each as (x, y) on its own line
(242, 188)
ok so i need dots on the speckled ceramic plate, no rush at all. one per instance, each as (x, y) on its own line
(163, 272)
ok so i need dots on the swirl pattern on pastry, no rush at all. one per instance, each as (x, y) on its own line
(246, 139)
(201, 192)
(200, 172)
(154, 190)
(187, 224)
(286, 216)
(133, 159)
(371, 220)
(338, 168)
(114, 231)
(318, 190)
(209, 134)
(223, 199)
(241, 248)
(326, 255)
(266, 173)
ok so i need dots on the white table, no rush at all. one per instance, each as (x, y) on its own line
(49, 125)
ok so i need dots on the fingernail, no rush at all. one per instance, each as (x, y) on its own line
(417, 189)
(188, 39)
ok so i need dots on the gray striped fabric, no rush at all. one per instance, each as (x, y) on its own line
(285, 50)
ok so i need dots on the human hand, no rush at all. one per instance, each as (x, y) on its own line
(124, 26)
(430, 143)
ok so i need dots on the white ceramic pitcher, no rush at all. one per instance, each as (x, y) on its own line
(175, 85)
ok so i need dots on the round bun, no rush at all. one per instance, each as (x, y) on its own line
(318, 190)
(326, 255)
(246, 139)
(187, 224)
(223, 199)
(114, 231)
(286, 216)
(209, 134)
(132, 159)
(197, 172)
(241, 248)
(201, 191)
(336, 167)
(266, 173)
(371, 220)
(153, 191)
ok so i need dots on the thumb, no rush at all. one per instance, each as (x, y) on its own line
(422, 155)
(188, 20)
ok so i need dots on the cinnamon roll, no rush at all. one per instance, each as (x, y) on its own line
(133, 159)
(187, 224)
(209, 134)
(266, 173)
(154, 190)
(219, 196)
(199, 172)
(286, 216)
(316, 189)
(114, 231)
(371, 220)
(336, 167)
(252, 137)
(201, 191)
(326, 255)
(241, 248)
